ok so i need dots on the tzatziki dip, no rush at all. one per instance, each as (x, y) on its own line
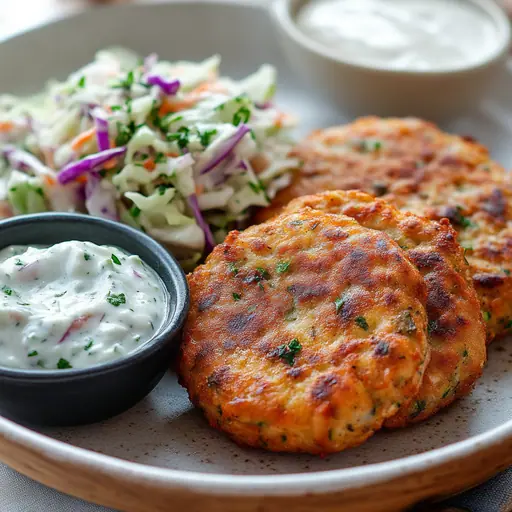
(419, 35)
(75, 305)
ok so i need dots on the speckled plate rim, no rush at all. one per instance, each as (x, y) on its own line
(17, 441)
(267, 485)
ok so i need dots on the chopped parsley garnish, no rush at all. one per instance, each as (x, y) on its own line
(361, 322)
(206, 136)
(465, 353)
(87, 256)
(508, 325)
(115, 108)
(33, 353)
(134, 211)
(7, 290)
(263, 273)
(126, 83)
(506, 271)
(81, 82)
(181, 137)
(125, 132)
(116, 300)
(233, 269)
(162, 189)
(339, 304)
(63, 364)
(447, 392)
(242, 115)
(115, 259)
(236, 296)
(283, 266)
(461, 220)
(367, 146)
(419, 407)
(486, 315)
(160, 158)
(259, 188)
(89, 345)
(288, 352)
(18, 262)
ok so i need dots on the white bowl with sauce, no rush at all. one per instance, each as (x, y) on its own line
(429, 58)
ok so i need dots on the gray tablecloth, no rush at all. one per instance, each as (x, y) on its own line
(20, 494)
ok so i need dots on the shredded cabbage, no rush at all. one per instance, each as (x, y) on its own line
(166, 147)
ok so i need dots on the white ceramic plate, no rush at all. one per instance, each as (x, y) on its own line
(162, 452)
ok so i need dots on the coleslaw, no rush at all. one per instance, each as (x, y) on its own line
(169, 148)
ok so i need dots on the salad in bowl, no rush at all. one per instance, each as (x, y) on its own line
(169, 148)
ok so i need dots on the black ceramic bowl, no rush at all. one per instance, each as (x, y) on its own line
(71, 397)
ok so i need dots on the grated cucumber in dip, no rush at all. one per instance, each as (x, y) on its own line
(169, 148)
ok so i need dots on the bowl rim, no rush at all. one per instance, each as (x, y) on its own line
(282, 14)
(177, 291)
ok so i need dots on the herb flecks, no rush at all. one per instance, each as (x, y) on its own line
(63, 364)
(419, 407)
(283, 266)
(7, 290)
(288, 352)
(361, 322)
(115, 259)
(116, 300)
(339, 302)
(33, 353)
(236, 296)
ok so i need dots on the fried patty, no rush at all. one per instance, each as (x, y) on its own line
(456, 332)
(421, 169)
(305, 333)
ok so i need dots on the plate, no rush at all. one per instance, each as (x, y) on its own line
(162, 453)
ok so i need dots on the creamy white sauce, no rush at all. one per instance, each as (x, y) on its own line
(75, 304)
(401, 34)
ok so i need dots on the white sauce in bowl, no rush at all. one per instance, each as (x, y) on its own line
(407, 35)
(75, 305)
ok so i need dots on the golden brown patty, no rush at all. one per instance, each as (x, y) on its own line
(456, 332)
(421, 169)
(305, 333)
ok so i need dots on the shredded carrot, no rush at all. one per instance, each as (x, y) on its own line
(6, 126)
(199, 189)
(149, 165)
(49, 180)
(173, 155)
(170, 105)
(81, 139)
(281, 118)
(110, 164)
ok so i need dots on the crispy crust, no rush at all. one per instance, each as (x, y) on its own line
(351, 299)
(455, 328)
(421, 169)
